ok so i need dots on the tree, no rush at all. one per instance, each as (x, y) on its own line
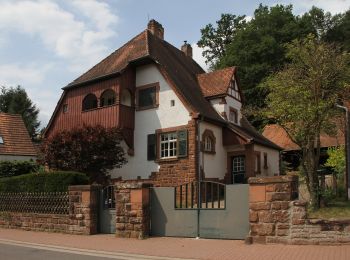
(16, 101)
(215, 40)
(90, 149)
(302, 99)
(336, 160)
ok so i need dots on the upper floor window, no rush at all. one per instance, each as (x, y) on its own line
(233, 116)
(89, 102)
(233, 90)
(107, 98)
(209, 140)
(125, 98)
(147, 96)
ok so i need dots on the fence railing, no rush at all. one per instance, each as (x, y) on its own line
(42, 202)
(212, 195)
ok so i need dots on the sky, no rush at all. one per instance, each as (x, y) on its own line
(44, 45)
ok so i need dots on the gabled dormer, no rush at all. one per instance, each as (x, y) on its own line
(221, 89)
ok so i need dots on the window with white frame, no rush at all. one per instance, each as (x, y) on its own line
(208, 145)
(168, 145)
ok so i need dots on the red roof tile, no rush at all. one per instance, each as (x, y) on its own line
(216, 82)
(15, 136)
(279, 136)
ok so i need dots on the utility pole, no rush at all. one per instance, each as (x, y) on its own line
(347, 149)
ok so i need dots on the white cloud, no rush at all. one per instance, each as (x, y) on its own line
(80, 42)
(333, 6)
(197, 56)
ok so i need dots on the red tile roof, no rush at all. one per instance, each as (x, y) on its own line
(216, 82)
(279, 136)
(15, 135)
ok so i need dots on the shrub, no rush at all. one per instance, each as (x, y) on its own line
(42, 182)
(15, 168)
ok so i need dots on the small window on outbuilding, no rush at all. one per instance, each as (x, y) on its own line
(89, 102)
(265, 161)
(1, 140)
(107, 98)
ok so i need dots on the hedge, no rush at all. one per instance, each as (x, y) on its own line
(43, 182)
(15, 168)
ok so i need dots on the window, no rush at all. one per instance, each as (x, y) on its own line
(65, 108)
(107, 98)
(233, 116)
(208, 141)
(168, 145)
(265, 161)
(257, 163)
(89, 102)
(1, 140)
(238, 169)
(147, 96)
(172, 103)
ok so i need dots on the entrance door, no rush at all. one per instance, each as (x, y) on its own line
(238, 169)
(107, 210)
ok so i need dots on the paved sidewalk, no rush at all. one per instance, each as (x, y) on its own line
(181, 247)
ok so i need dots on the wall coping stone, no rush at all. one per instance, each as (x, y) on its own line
(299, 203)
(84, 187)
(132, 185)
(272, 179)
(332, 221)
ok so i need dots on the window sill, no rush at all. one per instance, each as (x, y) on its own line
(171, 159)
(209, 152)
(97, 108)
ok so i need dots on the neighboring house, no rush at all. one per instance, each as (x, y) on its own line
(163, 102)
(291, 151)
(15, 142)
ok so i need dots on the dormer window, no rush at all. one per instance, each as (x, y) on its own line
(233, 90)
(233, 116)
(208, 141)
(1, 140)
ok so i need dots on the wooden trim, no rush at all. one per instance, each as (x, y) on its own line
(265, 161)
(223, 101)
(224, 115)
(151, 85)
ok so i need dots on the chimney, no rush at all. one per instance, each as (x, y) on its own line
(187, 49)
(156, 29)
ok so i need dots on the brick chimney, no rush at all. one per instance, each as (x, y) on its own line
(156, 29)
(187, 49)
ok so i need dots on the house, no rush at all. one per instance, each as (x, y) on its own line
(15, 142)
(291, 153)
(163, 102)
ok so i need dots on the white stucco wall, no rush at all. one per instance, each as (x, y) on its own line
(230, 102)
(16, 158)
(273, 160)
(214, 165)
(147, 121)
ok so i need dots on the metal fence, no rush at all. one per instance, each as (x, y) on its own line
(41, 202)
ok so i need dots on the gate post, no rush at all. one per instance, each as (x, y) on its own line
(132, 209)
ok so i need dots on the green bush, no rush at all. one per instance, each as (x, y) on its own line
(43, 182)
(15, 168)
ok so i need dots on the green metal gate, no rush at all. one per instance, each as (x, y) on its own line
(107, 213)
(205, 209)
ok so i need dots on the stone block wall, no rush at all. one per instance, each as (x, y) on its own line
(82, 217)
(276, 217)
(132, 209)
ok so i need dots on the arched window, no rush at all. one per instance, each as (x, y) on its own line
(107, 98)
(89, 102)
(208, 141)
(125, 98)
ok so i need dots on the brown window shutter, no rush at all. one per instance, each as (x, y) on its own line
(182, 145)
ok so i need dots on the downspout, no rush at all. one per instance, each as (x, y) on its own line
(198, 137)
